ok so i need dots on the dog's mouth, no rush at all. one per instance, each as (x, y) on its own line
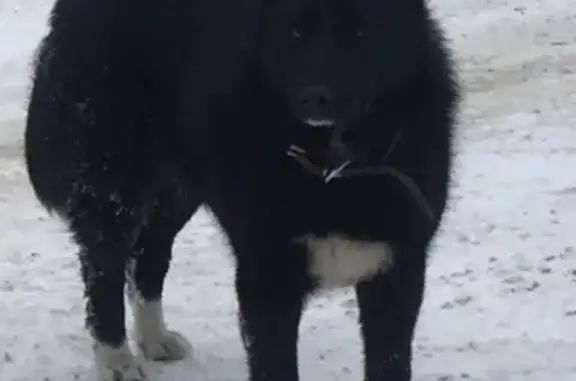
(316, 122)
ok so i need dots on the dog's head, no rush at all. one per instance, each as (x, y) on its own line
(329, 60)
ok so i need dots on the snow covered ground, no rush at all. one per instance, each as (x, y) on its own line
(501, 301)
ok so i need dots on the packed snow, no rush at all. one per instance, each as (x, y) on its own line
(501, 296)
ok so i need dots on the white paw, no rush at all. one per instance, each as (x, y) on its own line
(117, 364)
(155, 341)
(167, 346)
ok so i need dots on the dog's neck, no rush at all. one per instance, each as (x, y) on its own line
(346, 167)
(330, 158)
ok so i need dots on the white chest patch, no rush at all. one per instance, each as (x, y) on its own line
(337, 261)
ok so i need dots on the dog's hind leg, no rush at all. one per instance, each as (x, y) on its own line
(105, 227)
(146, 273)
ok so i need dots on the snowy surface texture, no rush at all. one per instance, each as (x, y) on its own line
(501, 299)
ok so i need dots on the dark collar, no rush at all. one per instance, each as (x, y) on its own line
(349, 168)
(346, 166)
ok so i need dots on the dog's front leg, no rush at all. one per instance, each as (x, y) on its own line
(389, 308)
(271, 289)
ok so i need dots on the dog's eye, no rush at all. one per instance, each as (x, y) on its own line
(297, 33)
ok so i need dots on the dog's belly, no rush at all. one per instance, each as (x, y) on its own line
(338, 261)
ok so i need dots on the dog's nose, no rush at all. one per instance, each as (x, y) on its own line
(315, 98)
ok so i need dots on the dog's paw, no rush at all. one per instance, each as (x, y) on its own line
(166, 346)
(118, 364)
(154, 340)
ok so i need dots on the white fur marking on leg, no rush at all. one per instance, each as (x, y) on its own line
(117, 364)
(338, 261)
(154, 340)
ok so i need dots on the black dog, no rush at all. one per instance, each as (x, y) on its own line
(317, 131)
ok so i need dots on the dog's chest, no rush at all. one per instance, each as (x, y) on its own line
(337, 261)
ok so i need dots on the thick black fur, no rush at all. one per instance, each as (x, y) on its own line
(141, 111)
